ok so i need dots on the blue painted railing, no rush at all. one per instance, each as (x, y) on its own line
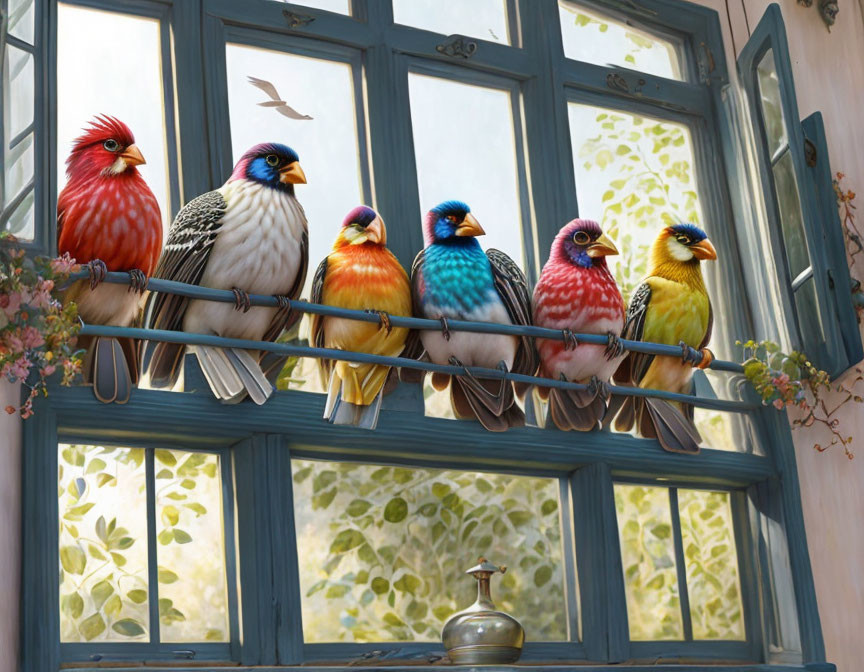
(225, 296)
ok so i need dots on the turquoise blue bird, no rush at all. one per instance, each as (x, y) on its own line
(454, 279)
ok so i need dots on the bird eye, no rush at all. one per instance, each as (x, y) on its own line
(581, 238)
(452, 218)
(684, 240)
(272, 160)
(111, 145)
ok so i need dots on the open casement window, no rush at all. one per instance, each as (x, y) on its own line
(186, 532)
(23, 123)
(806, 233)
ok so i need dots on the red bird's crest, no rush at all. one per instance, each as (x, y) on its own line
(102, 128)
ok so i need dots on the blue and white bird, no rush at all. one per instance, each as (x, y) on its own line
(249, 236)
(454, 279)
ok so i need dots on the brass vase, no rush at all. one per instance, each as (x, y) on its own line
(482, 635)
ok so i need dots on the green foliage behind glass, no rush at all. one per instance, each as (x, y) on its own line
(383, 550)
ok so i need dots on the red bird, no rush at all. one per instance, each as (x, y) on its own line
(577, 293)
(107, 217)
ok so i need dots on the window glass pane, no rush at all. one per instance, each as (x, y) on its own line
(19, 167)
(103, 544)
(635, 175)
(712, 564)
(467, 151)
(22, 19)
(594, 38)
(19, 86)
(810, 321)
(383, 550)
(21, 222)
(327, 144)
(191, 550)
(648, 557)
(483, 19)
(772, 108)
(791, 219)
(338, 6)
(125, 51)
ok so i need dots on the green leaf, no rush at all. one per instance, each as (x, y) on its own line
(656, 583)
(428, 510)
(549, 506)
(104, 479)
(324, 499)
(323, 480)
(123, 543)
(417, 610)
(362, 576)
(542, 575)
(187, 483)
(113, 606)
(73, 559)
(101, 592)
(166, 457)
(95, 466)
(520, 518)
(380, 585)
(302, 475)
(661, 531)
(170, 515)
(128, 627)
(367, 555)
(181, 536)
(337, 591)
(91, 627)
(214, 635)
(138, 596)
(622, 150)
(167, 576)
(469, 528)
(73, 605)
(483, 485)
(440, 490)
(101, 529)
(630, 59)
(408, 583)
(392, 619)
(358, 507)
(177, 496)
(442, 613)
(119, 559)
(197, 508)
(396, 510)
(321, 585)
(165, 474)
(608, 196)
(346, 540)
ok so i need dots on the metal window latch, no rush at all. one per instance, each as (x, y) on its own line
(297, 20)
(186, 654)
(456, 46)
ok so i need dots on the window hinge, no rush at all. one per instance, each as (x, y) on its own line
(456, 46)
(186, 654)
(297, 20)
(810, 153)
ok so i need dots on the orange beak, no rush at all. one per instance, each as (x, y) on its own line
(470, 227)
(704, 250)
(133, 156)
(376, 231)
(292, 174)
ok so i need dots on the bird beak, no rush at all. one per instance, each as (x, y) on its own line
(376, 231)
(704, 250)
(133, 156)
(602, 247)
(292, 174)
(470, 227)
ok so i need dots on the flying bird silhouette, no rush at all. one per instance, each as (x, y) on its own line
(276, 101)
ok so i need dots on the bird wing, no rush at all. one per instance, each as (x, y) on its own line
(413, 345)
(512, 287)
(184, 259)
(286, 318)
(316, 322)
(635, 365)
(265, 86)
(710, 326)
(291, 113)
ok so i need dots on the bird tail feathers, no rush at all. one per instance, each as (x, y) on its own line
(111, 365)
(579, 410)
(232, 374)
(490, 402)
(658, 419)
(338, 410)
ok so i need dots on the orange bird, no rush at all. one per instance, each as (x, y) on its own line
(108, 217)
(361, 274)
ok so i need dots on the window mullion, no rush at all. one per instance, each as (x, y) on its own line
(683, 594)
(605, 631)
(152, 555)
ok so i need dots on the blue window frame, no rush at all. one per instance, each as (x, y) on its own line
(781, 622)
(805, 228)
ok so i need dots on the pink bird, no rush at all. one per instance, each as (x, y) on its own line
(576, 293)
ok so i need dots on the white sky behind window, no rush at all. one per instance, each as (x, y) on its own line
(483, 19)
(109, 63)
(465, 149)
(338, 6)
(594, 38)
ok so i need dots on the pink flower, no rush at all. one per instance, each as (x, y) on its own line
(10, 303)
(63, 265)
(778, 404)
(48, 370)
(32, 338)
(18, 369)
